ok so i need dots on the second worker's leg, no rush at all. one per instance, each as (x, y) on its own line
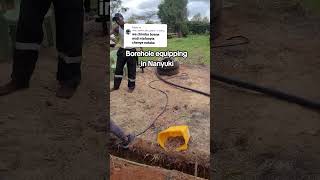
(132, 65)
(29, 36)
(69, 26)
(118, 75)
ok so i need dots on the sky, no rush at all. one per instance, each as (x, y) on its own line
(139, 7)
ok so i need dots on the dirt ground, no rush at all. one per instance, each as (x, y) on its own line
(122, 169)
(254, 135)
(135, 111)
(43, 137)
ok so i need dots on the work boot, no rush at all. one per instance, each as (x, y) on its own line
(114, 89)
(11, 87)
(65, 91)
(131, 89)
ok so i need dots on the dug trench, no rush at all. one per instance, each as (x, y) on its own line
(151, 154)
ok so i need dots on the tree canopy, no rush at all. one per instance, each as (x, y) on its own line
(174, 14)
(116, 6)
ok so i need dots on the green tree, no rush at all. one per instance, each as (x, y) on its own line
(149, 22)
(206, 19)
(146, 17)
(174, 14)
(132, 20)
(197, 17)
(116, 7)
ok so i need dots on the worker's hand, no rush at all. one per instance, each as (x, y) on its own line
(112, 37)
(128, 140)
(112, 32)
(115, 31)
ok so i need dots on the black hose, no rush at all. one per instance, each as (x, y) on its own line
(244, 39)
(271, 92)
(179, 86)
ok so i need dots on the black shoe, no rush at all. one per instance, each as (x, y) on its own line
(131, 89)
(65, 91)
(11, 87)
(114, 89)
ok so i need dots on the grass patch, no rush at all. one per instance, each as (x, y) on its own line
(198, 47)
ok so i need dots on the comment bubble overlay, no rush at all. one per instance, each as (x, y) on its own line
(145, 35)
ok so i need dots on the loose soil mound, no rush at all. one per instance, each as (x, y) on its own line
(173, 143)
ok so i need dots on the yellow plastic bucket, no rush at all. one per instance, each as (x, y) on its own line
(175, 131)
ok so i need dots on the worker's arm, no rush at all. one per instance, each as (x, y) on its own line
(116, 130)
(126, 138)
(115, 30)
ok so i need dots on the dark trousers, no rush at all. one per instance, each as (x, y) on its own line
(69, 35)
(131, 62)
